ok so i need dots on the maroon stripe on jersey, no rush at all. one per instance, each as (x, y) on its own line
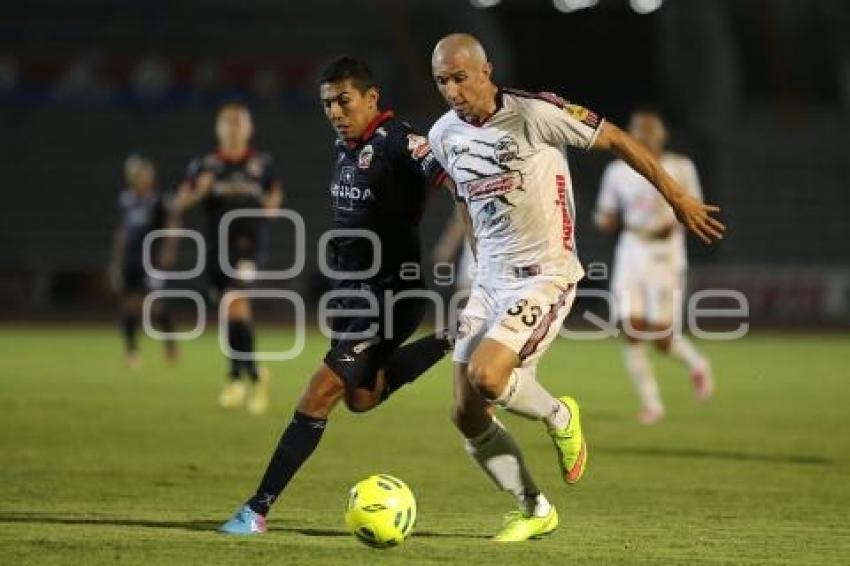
(549, 97)
(375, 124)
(439, 179)
(542, 329)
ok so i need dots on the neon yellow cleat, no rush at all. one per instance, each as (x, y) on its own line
(569, 442)
(233, 395)
(519, 526)
(259, 401)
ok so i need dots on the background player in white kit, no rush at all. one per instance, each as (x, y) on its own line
(504, 150)
(648, 280)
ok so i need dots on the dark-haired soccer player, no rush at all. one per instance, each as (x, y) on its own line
(142, 209)
(383, 172)
(234, 177)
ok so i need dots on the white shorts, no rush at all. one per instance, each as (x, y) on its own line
(525, 315)
(653, 295)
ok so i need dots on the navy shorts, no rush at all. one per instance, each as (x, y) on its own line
(133, 278)
(357, 359)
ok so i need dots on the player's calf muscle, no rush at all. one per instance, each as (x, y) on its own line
(322, 394)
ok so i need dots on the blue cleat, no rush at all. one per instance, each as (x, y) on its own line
(244, 522)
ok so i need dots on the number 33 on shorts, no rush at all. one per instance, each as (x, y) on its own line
(524, 312)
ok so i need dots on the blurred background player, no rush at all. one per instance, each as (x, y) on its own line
(648, 279)
(504, 150)
(235, 177)
(382, 177)
(142, 209)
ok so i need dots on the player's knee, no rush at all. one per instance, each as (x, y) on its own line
(488, 380)
(662, 344)
(360, 403)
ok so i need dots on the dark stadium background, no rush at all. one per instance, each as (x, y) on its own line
(757, 91)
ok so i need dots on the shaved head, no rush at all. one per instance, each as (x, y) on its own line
(462, 73)
(459, 45)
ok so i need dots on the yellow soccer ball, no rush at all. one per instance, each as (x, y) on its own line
(381, 511)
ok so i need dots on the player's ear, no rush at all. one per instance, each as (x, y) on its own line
(373, 95)
(487, 69)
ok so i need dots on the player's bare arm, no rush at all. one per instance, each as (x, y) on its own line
(167, 256)
(606, 222)
(463, 213)
(692, 213)
(273, 199)
(188, 196)
(451, 239)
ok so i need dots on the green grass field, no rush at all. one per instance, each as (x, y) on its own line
(100, 465)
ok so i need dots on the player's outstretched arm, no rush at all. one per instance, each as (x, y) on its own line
(451, 238)
(695, 215)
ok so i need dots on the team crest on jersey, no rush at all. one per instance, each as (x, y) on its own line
(254, 167)
(417, 146)
(506, 149)
(364, 158)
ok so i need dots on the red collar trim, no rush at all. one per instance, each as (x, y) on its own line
(370, 128)
(244, 157)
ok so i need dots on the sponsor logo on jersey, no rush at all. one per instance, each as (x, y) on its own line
(583, 115)
(238, 185)
(364, 158)
(345, 193)
(563, 203)
(493, 186)
(417, 146)
(353, 193)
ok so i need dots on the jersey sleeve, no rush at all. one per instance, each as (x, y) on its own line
(558, 122)
(268, 179)
(607, 201)
(415, 153)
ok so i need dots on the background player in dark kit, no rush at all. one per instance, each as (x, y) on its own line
(141, 209)
(383, 172)
(234, 177)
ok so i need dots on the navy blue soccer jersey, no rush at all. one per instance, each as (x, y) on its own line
(237, 184)
(139, 215)
(380, 183)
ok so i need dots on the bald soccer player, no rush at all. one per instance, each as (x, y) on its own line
(650, 262)
(504, 149)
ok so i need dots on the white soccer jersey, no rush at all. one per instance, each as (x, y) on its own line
(644, 211)
(512, 173)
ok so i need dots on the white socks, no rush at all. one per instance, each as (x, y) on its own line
(499, 456)
(524, 396)
(681, 349)
(643, 379)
